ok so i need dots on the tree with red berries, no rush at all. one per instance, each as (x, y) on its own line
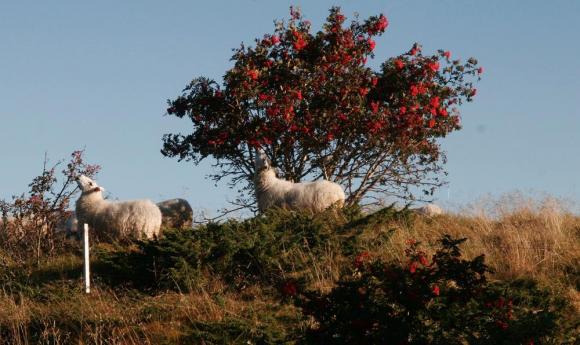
(311, 102)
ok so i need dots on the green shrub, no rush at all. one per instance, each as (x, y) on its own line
(170, 262)
(237, 331)
(257, 250)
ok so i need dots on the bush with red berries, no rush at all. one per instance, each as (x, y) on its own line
(445, 299)
(319, 111)
(31, 220)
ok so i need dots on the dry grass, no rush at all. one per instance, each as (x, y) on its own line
(108, 317)
(324, 270)
(531, 239)
(520, 238)
(539, 240)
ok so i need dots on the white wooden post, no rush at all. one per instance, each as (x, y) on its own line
(87, 262)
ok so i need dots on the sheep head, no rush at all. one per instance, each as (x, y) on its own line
(87, 185)
(261, 161)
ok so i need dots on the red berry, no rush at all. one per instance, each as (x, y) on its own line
(434, 66)
(399, 64)
(371, 44)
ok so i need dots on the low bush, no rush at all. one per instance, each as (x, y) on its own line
(236, 331)
(32, 225)
(266, 249)
(442, 300)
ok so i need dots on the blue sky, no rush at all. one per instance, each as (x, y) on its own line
(97, 75)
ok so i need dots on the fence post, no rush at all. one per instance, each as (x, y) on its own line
(87, 262)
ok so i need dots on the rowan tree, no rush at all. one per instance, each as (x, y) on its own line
(310, 100)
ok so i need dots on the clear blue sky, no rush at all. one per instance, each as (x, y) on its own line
(97, 75)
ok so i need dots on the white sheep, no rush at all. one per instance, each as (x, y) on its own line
(117, 219)
(177, 214)
(271, 191)
(428, 210)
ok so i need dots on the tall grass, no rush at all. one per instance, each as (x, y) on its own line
(523, 239)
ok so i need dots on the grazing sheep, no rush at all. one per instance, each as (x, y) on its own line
(116, 219)
(428, 210)
(177, 214)
(274, 192)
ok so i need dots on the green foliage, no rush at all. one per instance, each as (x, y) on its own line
(263, 249)
(170, 262)
(238, 331)
(239, 251)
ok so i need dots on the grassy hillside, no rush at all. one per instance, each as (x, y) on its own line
(248, 282)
